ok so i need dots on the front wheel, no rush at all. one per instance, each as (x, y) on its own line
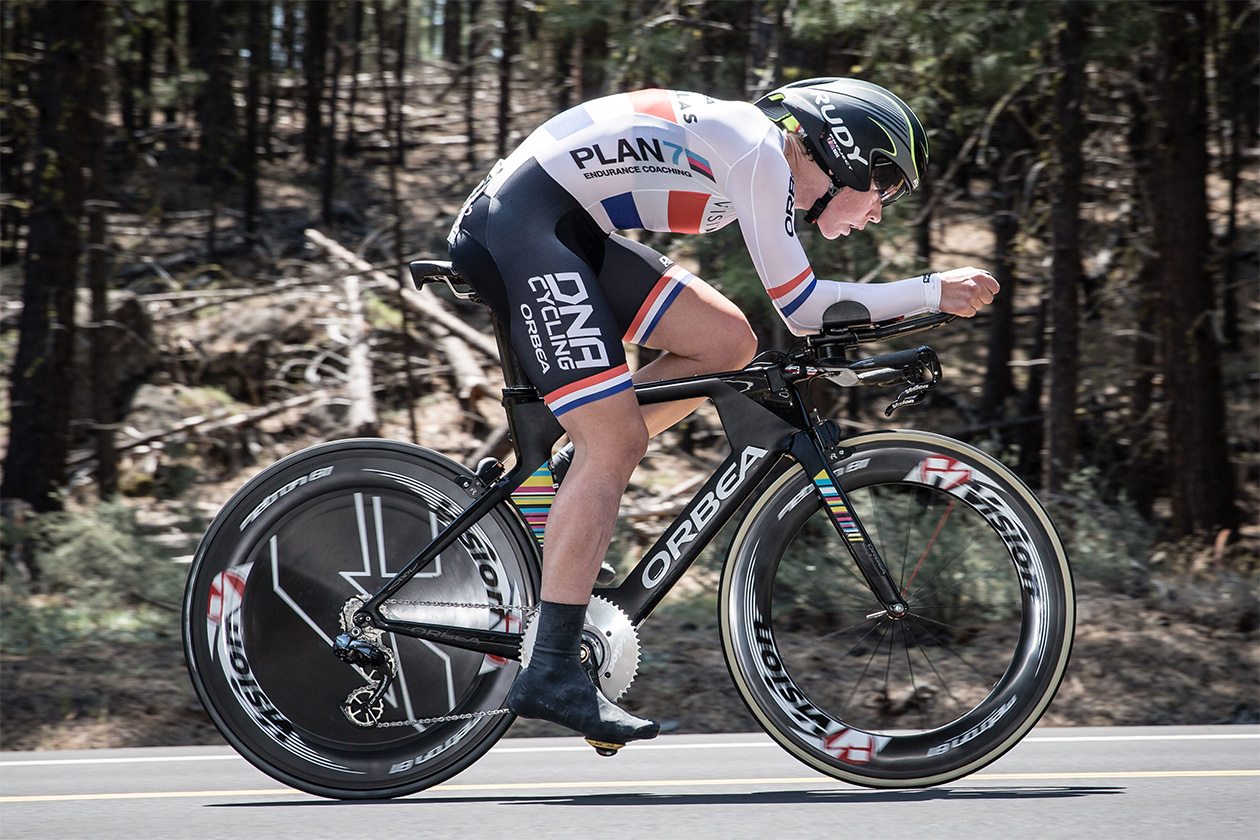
(282, 563)
(938, 693)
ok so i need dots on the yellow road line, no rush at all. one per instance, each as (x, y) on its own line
(652, 783)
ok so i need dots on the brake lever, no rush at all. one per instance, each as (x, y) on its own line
(910, 396)
(925, 363)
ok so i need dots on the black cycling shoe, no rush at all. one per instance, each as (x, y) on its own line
(607, 574)
(562, 692)
(560, 463)
(556, 688)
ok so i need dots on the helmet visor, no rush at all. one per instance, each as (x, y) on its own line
(889, 181)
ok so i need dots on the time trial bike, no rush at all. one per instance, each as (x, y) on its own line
(356, 613)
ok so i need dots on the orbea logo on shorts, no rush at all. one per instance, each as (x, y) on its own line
(559, 332)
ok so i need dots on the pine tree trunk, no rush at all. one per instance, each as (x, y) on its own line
(355, 35)
(1240, 106)
(314, 52)
(328, 167)
(210, 23)
(507, 56)
(470, 83)
(998, 383)
(259, 30)
(34, 466)
(170, 59)
(1201, 481)
(452, 29)
(1061, 439)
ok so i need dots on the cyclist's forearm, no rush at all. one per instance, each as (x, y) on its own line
(882, 300)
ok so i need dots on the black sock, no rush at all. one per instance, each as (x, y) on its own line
(559, 629)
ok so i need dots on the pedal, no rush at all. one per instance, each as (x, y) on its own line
(604, 747)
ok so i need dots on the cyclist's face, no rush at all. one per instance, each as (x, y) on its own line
(850, 210)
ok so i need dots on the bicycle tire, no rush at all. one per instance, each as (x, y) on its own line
(265, 596)
(931, 697)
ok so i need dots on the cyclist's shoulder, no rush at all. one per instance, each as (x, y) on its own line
(696, 112)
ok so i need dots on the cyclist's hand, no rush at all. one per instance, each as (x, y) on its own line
(965, 291)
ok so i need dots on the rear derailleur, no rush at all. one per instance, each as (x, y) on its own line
(360, 646)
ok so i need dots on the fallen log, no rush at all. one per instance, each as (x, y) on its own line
(207, 424)
(362, 418)
(421, 300)
(470, 380)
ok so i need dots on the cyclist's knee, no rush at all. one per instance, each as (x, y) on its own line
(731, 343)
(608, 435)
(742, 343)
(615, 448)
(707, 328)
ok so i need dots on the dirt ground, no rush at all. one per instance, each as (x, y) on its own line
(1186, 652)
(1133, 664)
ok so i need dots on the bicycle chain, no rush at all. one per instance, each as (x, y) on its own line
(402, 602)
(457, 605)
(443, 719)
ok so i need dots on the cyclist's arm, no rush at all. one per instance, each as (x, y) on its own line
(760, 186)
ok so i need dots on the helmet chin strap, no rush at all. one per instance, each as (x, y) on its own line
(811, 216)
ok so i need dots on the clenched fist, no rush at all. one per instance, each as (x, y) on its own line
(965, 291)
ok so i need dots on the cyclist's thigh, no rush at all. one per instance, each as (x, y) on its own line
(561, 325)
(665, 307)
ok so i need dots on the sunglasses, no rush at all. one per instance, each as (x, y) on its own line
(886, 179)
(890, 182)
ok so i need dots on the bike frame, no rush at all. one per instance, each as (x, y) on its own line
(766, 413)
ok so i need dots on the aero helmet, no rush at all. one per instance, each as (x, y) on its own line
(855, 131)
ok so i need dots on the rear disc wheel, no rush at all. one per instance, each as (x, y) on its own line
(265, 599)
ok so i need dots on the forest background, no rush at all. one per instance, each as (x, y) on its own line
(208, 206)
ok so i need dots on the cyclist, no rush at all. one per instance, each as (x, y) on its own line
(537, 240)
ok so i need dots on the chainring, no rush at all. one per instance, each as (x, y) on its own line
(608, 639)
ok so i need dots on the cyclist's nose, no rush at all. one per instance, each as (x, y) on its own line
(872, 217)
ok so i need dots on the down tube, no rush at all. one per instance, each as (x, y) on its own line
(758, 439)
(693, 529)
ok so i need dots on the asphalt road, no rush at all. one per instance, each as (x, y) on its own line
(1147, 783)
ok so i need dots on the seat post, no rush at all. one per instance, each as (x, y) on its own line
(513, 374)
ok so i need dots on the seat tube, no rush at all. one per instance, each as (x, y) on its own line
(513, 373)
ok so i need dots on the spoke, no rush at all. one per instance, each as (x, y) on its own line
(845, 564)
(907, 643)
(988, 678)
(845, 629)
(892, 641)
(960, 707)
(879, 520)
(922, 599)
(931, 542)
(944, 567)
(852, 648)
(857, 683)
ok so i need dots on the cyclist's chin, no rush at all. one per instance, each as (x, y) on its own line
(842, 229)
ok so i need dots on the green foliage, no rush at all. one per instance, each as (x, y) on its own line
(99, 577)
(1107, 541)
